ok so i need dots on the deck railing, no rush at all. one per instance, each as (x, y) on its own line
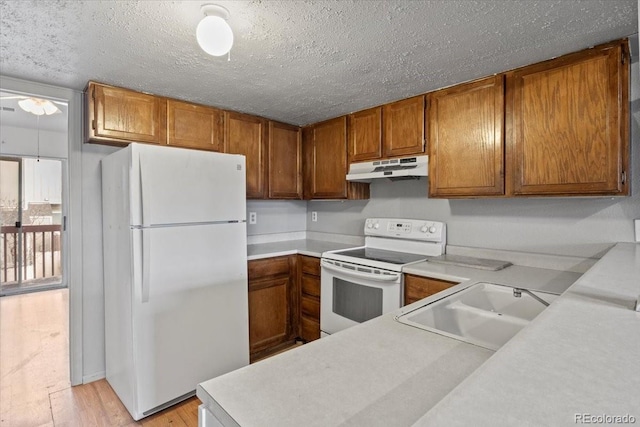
(40, 252)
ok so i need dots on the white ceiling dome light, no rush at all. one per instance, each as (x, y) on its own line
(213, 33)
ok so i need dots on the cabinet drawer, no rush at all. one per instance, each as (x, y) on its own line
(311, 307)
(267, 267)
(310, 285)
(310, 265)
(309, 329)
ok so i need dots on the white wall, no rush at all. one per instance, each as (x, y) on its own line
(566, 226)
(92, 279)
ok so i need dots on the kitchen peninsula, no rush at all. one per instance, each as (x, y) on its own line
(580, 355)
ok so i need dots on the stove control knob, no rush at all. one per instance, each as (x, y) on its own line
(424, 229)
(369, 225)
(376, 226)
(432, 229)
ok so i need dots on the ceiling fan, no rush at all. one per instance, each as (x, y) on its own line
(37, 106)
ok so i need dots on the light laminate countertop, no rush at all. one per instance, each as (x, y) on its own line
(367, 375)
(308, 247)
(581, 355)
(540, 279)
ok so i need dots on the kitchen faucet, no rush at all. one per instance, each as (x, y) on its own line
(517, 292)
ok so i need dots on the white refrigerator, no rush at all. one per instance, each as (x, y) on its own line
(175, 272)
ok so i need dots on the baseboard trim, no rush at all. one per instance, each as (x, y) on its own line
(93, 377)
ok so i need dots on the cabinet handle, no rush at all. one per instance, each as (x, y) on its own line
(623, 177)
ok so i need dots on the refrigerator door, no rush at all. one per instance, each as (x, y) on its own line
(190, 314)
(179, 186)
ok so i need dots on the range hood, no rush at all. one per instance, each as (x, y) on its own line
(393, 169)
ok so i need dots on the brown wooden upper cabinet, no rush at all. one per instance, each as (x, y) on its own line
(365, 135)
(285, 161)
(325, 146)
(245, 134)
(194, 126)
(569, 123)
(396, 129)
(404, 127)
(119, 116)
(466, 142)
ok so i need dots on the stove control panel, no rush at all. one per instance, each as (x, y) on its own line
(412, 229)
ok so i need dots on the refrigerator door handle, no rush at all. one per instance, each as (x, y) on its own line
(146, 264)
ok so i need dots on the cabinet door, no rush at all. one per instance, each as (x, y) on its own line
(194, 126)
(404, 127)
(268, 313)
(121, 116)
(418, 287)
(285, 161)
(569, 123)
(273, 303)
(365, 135)
(247, 135)
(466, 150)
(329, 159)
(325, 163)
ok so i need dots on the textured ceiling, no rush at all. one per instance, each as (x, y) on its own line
(297, 61)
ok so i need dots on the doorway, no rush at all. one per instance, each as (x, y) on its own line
(55, 136)
(34, 246)
(32, 221)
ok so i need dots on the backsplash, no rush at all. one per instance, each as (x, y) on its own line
(583, 227)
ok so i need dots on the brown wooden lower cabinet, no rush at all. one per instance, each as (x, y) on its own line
(273, 305)
(309, 280)
(418, 287)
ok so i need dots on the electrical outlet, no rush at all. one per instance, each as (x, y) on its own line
(253, 218)
(314, 216)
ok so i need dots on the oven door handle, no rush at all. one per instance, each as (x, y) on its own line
(376, 277)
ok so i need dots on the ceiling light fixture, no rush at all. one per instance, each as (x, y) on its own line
(38, 106)
(213, 33)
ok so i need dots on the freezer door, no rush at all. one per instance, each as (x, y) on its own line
(190, 306)
(179, 186)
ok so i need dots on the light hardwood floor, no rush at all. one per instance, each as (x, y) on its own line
(34, 373)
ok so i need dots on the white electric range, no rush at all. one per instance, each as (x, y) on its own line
(358, 284)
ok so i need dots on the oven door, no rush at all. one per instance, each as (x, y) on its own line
(351, 294)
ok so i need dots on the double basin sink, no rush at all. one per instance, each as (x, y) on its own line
(483, 314)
